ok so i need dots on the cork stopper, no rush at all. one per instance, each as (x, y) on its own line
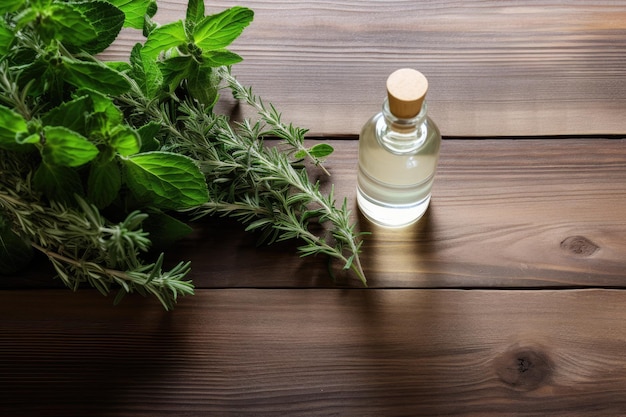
(406, 90)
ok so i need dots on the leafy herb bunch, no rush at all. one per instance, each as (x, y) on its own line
(95, 156)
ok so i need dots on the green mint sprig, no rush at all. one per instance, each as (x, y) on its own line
(112, 148)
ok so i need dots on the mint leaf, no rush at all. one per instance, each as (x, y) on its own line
(125, 140)
(221, 58)
(65, 147)
(145, 72)
(104, 183)
(300, 155)
(321, 150)
(9, 6)
(70, 114)
(107, 21)
(148, 133)
(202, 83)
(39, 75)
(104, 112)
(163, 38)
(176, 69)
(119, 66)
(67, 24)
(95, 76)
(317, 152)
(25, 138)
(148, 24)
(58, 183)
(195, 13)
(6, 38)
(164, 230)
(135, 11)
(12, 124)
(166, 180)
(220, 30)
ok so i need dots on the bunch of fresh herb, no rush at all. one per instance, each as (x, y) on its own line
(93, 154)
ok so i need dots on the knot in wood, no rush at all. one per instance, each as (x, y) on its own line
(579, 246)
(524, 369)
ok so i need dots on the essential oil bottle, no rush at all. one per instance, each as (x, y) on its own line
(398, 154)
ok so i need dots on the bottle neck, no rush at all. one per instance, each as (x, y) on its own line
(404, 126)
(401, 136)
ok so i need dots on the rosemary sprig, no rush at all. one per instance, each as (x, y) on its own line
(247, 180)
(82, 246)
(293, 135)
(80, 138)
(277, 195)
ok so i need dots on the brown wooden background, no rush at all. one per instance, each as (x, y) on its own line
(496, 68)
(506, 299)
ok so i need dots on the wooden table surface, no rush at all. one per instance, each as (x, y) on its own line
(508, 298)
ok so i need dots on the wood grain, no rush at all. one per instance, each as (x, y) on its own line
(315, 353)
(504, 213)
(481, 309)
(515, 68)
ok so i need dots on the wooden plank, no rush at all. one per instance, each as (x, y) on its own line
(315, 352)
(505, 213)
(495, 68)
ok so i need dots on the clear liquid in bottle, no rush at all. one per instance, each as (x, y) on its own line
(398, 155)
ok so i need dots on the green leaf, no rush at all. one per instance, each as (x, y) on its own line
(65, 147)
(119, 66)
(176, 69)
(10, 6)
(95, 76)
(107, 21)
(25, 17)
(318, 152)
(321, 150)
(58, 183)
(102, 115)
(135, 10)
(164, 230)
(15, 253)
(125, 140)
(70, 114)
(220, 30)
(6, 38)
(146, 73)
(221, 58)
(39, 76)
(103, 109)
(67, 24)
(148, 24)
(202, 83)
(163, 38)
(12, 124)
(148, 133)
(104, 183)
(23, 139)
(195, 13)
(88, 113)
(166, 180)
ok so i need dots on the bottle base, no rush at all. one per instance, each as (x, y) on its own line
(392, 216)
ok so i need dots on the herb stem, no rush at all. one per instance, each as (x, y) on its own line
(271, 116)
(339, 218)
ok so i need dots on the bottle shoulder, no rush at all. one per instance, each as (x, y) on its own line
(377, 132)
(432, 126)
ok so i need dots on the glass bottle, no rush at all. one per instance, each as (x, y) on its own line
(398, 154)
